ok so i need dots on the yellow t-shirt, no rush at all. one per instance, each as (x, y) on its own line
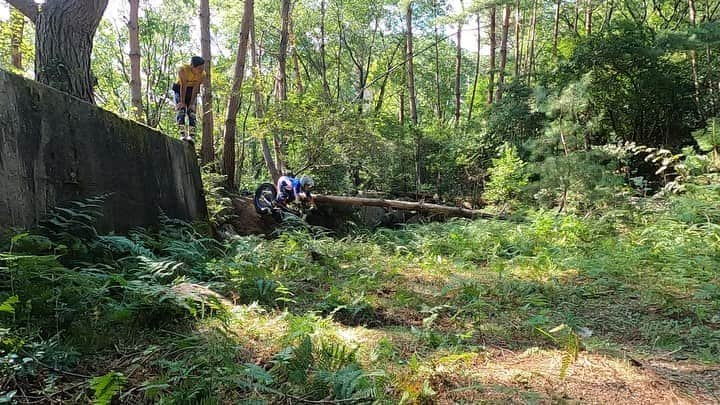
(191, 78)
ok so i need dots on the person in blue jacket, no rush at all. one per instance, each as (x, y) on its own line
(294, 189)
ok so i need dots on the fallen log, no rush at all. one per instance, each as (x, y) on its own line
(403, 205)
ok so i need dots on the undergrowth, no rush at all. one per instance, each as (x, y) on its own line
(172, 316)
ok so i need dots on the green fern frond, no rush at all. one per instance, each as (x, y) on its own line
(106, 387)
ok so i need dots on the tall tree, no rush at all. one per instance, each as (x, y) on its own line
(556, 26)
(517, 44)
(503, 52)
(588, 17)
(323, 63)
(458, 64)
(135, 81)
(234, 98)
(281, 79)
(259, 107)
(438, 99)
(64, 32)
(207, 147)
(693, 59)
(493, 46)
(17, 27)
(410, 64)
(477, 69)
(531, 51)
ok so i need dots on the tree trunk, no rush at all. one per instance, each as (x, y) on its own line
(503, 53)
(477, 71)
(386, 76)
(64, 32)
(693, 61)
(403, 205)
(493, 45)
(17, 27)
(556, 27)
(323, 65)
(207, 148)
(458, 66)
(410, 67)
(296, 63)
(438, 98)
(588, 17)
(403, 86)
(135, 81)
(260, 110)
(517, 39)
(531, 51)
(281, 76)
(234, 98)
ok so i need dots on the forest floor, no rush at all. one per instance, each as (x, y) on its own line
(622, 307)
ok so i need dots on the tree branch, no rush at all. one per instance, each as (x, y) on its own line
(28, 7)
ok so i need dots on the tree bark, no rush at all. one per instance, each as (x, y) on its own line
(135, 81)
(477, 70)
(323, 65)
(531, 51)
(386, 76)
(207, 148)
(556, 27)
(503, 53)
(17, 27)
(229, 134)
(493, 45)
(410, 66)
(438, 98)
(403, 86)
(64, 32)
(296, 63)
(693, 61)
(404, 205)
(458, 67)
(281, 79)
(588, 17)
(517, 39)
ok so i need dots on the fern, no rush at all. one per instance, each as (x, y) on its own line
(569, 341)
(8, 305)
(106, 387)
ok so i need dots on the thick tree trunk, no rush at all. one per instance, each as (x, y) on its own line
(403, 205)
(477, 71)
(17, 27)
(234, 98)
(458, 67)
(556, 27)
(493, 46)
(503, 53)
(410, 65)
(323, 65)
(207, 148)
(64, 32)
(135, 81)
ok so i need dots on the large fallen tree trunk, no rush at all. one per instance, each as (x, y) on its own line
(403, 205)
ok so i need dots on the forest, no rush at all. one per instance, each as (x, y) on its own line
(582, 136)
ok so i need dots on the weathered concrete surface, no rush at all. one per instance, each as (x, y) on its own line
(55, 148)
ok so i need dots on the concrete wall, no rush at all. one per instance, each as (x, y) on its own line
(55, 148)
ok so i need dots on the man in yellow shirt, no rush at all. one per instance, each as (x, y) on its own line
(186, 90)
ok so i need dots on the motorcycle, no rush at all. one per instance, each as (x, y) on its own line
(266, 203)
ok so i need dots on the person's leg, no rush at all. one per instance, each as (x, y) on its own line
(191, 102)
(180, 114)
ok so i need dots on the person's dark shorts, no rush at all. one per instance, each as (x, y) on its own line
(188, 94)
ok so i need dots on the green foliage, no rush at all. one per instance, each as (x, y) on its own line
(507, 176)
(709, 140)
(106, 387)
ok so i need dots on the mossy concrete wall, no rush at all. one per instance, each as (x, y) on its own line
(56, 148)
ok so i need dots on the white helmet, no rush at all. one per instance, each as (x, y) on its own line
(306, 182)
